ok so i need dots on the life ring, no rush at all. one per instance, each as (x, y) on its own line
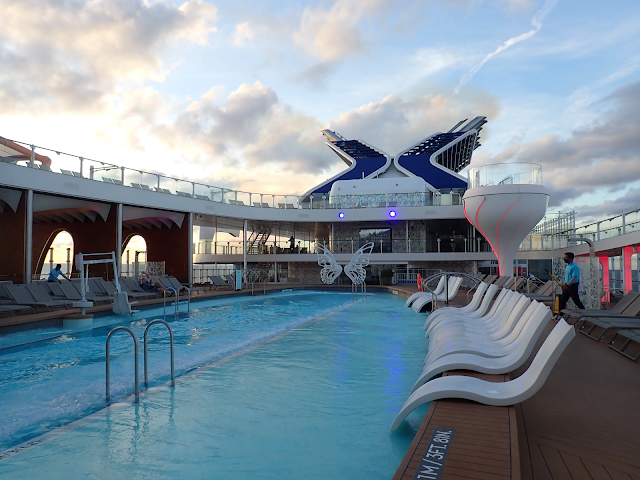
(420, 283)
(144, 275)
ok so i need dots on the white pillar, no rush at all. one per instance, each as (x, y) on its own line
(190, 263)
(119, 238)
(28, 238)
(244, 247)
(407, 234)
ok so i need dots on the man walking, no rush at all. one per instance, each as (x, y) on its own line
(571, 281)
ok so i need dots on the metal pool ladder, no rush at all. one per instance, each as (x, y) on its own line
(135, 352)
(146, 329)
(176, 303)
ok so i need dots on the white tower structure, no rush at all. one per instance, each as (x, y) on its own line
(504, 202)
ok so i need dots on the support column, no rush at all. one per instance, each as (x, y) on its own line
(406, 229)
(28, 237)
(604, 261)
(627, 253)
(119, 238)
(190, 262)
(244, 245)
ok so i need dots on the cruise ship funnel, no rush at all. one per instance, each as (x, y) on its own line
(506, 212)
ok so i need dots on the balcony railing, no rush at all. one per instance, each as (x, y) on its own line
(505, 174)
(81, 167)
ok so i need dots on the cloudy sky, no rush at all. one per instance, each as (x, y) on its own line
(235, 93)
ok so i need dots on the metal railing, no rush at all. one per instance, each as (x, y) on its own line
(257, 275)
(105, 172)
(108, 363)
(146, 329)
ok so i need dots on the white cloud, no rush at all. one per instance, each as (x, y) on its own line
(536, 21)
(243, 33)
(66, 56)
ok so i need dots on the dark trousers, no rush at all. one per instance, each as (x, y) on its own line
(572, 292)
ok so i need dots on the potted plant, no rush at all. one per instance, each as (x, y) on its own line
(385, 276)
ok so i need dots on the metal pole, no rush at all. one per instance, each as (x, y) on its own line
(68, 260)
(244, 249)
(28, 238)
(32, 163)
(406, 229)
(119, 238)
(190, 250)
(51, 259)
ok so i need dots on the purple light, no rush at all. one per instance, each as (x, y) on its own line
(392, 213)
(341, 215)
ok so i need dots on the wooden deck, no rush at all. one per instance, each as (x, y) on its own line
(585, 421)
(484, 445)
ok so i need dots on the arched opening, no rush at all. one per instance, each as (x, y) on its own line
(58, 250)
(134, 256)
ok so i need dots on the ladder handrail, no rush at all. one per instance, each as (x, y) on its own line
(108, 372)
(176, 304)
(146, 376)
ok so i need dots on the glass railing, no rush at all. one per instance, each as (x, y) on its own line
(505, 174)
(74, 166)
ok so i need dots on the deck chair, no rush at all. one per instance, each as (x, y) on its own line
(202, 197)
(41, 295)
(265, 205)
(490, 393)
(627, 337)
(500, 281)
(544, 293)
(240, 203)
(107, 180)
(509, 283)
(628, 306)
(281, 205)
(257, 204)
(135, 292)
(606, 324)
(136, 185)
(145, 187)
(22, 296)
(66, 172)
(423, 303)
(438, 290)
(12, 309)
(133, 286)
(492, 365)
(176, 284)
(183, 194)
(490, 279)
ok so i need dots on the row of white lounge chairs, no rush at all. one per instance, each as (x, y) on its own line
(487, 336)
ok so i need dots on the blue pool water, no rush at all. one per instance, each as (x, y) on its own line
(314, 403)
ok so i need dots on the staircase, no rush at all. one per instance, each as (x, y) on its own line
(256, 240)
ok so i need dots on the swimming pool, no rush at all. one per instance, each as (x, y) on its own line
(316, 402)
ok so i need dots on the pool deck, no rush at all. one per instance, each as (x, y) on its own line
(584, 423)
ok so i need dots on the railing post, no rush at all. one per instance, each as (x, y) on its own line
(158, 176)
(32, 163)
(91, 171)
(438, 240)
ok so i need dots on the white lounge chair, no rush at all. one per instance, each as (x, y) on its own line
(451, 312)
(470, 307)
(439, 289)
(495, 365)
(491, 393)
(432, 320)
(503, 320)
(495, 348)
(423, 302)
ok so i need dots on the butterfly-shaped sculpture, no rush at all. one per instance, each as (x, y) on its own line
(354, 269)
(330, 268)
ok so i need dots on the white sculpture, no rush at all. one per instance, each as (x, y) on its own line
(355, 268)
(330, 268)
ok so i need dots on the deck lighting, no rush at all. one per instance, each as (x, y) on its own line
(341, 215)
(392, 213)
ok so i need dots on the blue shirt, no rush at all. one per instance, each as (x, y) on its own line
(571, 271)
(53, 275)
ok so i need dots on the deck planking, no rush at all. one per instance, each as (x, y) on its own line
(483, 444)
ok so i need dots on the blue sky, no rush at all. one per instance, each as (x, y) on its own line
(235, 92)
